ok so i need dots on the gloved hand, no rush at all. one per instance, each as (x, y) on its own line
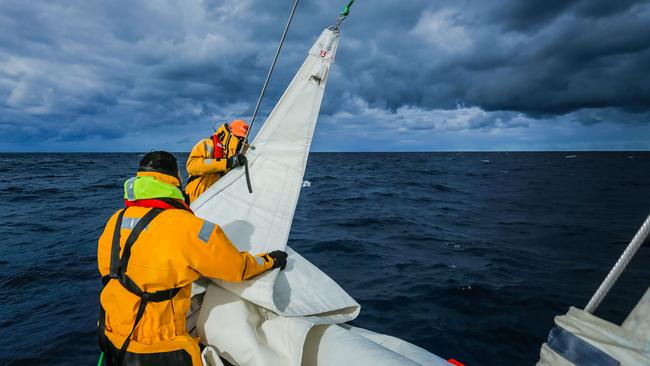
(236, 161)
(279, 259)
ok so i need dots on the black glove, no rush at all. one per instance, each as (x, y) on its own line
(236, 161)
(279, 259)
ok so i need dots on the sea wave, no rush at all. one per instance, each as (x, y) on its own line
(447, 252)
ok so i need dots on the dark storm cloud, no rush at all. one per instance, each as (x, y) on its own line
(583, 58)
(549, 57)
(86, 69)
(533, 14)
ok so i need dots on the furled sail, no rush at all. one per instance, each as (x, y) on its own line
(580, 338)
(287, 317)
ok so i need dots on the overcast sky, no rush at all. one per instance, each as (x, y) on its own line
(125, 75)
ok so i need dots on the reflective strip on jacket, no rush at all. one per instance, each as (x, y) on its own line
(201, 163)
(173, 251)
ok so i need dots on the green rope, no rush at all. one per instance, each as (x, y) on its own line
(346, 10)
(101, 359)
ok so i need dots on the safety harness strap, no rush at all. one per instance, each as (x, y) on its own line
(216, 140)
(216, 153)
(120, 355)
(135, 233)
(192, 178)
(115, 250)
(158, 296)
(113, 271)
(118, 271)
(101, 324)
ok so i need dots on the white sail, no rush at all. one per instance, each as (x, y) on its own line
(261, 221)
(268, 320)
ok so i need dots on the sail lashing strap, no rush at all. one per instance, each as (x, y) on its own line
(577, 350)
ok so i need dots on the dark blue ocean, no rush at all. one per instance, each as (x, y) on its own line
(469, 255)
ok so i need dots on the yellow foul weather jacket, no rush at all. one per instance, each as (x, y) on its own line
(202, 166)
(172, 251)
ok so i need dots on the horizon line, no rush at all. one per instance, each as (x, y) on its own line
(344, 152)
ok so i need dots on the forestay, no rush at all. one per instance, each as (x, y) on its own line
(266, 321)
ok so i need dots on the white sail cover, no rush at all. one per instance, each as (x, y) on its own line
(269, 320)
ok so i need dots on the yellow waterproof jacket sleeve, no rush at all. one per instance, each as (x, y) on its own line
(174, 250)
(177, 248)
(213, 255)
(201, 161)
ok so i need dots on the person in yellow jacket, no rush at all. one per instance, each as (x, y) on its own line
(211, 158)
(148, 255)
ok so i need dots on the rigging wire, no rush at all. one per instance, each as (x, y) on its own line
(619, 267)
(268, 76)
(344, 13)
(266, 84)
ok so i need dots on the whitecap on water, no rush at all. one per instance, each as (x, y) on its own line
(306, 183)
(452, 245)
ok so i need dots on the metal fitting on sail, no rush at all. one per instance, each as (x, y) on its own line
(344, 13)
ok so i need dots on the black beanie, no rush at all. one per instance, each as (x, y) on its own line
(160, 162)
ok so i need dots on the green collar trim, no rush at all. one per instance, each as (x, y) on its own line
(144, 188)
